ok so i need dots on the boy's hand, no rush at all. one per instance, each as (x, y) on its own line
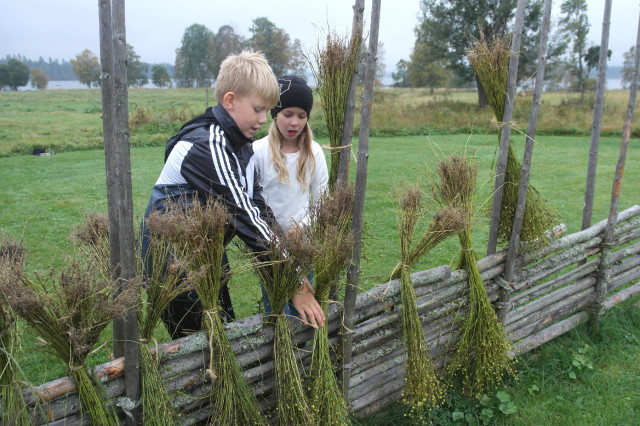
(307, 306)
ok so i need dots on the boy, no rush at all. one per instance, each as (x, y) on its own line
(211, 155)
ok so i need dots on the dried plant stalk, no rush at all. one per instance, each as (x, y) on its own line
(165, 278)
(481, 355)
(335, 64)
(490, 60)
(282, 274)
(14, 410)
(202, 232)
(69, 311)
(422, 389)
(92, 238)
(332, 240)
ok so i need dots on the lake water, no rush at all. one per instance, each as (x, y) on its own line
(72, 84)
(612, 84)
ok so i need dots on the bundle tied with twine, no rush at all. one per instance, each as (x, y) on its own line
(335, 63)
(490, 60)
(282, 269)
(163, 281)
(202, 232)
(332, 242)
(14, 409)
(69, 310)
(162, 284)
(422, 389)
(481, 354)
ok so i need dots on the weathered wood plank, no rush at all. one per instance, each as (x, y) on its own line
(624, 278)
(550, 298)
(622, 295)
(577, 238)
(538, 320)
(549, 316)
(532, 293)
(549, 333)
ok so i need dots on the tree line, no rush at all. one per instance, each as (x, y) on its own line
(447, 29)
(198, 59)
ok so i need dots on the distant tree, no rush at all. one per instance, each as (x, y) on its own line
(273, 42)
(160, 76)
(226, 43)
(627, 67)
(194, 64)
(4, 75)
(427, 66)
(54, 69)
(136, 69)
(530, 43)
(380, 65)
(39, 79)
(14, 74)
(86, 67)
(401, 75)
(298, 64)
(449, 26)
(574, 24)
(556, 65)
(593, 58)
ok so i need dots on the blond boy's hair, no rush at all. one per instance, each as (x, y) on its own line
(246, 73)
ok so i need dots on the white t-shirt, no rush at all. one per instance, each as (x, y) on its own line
(290, 204)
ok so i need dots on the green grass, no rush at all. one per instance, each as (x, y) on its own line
(45, 197)
(70, 120)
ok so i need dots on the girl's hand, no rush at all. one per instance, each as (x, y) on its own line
(307, 306)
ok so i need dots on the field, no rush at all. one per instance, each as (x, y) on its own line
(44, 198)
(69, 120)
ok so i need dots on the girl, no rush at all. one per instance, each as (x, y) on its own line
(292, 170)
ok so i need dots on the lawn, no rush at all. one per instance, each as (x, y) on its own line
(46, 197)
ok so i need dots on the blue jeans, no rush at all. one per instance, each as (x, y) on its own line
(289, 309)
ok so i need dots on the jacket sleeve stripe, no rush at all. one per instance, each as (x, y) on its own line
(222, 166)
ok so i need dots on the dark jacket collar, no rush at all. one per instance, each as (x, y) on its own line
(234, 135)
(213, 115)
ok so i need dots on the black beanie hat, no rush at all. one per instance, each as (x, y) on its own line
(294, 92)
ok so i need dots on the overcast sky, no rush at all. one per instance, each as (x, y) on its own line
(60, 29)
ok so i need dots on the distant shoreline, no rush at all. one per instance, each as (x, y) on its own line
(612, 84)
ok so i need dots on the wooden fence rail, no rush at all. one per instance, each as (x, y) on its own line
(553, 289)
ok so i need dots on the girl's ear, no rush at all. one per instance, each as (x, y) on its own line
(228, 101)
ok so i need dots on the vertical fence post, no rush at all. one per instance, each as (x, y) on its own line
(602, 275)
(127, 239)
(509, 268)
(350, 105)
(587, 209)
(349, 112)
(353, 271)
(108, 130)
(505, 133)
(118, 175)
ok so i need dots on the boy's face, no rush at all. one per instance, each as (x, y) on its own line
(249, 112)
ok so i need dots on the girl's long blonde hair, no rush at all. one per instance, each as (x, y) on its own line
(305, 160)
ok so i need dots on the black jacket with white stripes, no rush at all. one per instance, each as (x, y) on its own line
(210, 156)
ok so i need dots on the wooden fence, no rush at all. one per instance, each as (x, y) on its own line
(552, 294)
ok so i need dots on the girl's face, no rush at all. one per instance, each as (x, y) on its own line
(291, 122)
